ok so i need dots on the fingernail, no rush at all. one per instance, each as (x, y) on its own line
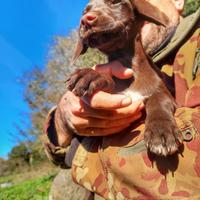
(129, 72)
(141, 106)
(126, 101)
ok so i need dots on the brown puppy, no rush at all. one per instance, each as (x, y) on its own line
(113, 26)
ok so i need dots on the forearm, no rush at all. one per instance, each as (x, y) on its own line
(57, 138)
(62, 131)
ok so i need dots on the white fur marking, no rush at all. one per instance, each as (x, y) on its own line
(135, 96)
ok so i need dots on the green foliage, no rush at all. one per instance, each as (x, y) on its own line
(24, 156)
(29, 190)
(5, 179)
(19, 151)
(191, 6)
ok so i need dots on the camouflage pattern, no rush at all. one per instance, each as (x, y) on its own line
(118, 167)
(187, 87)
(121, 168)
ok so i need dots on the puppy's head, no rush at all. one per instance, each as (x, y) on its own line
(109, 24)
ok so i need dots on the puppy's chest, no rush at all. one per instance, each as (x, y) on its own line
(123, 87)
(135, 95)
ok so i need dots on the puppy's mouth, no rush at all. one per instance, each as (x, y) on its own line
(99, 39)
(102, 39)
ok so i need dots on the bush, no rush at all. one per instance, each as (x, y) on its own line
(191, 6)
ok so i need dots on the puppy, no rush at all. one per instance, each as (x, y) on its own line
(113, 27)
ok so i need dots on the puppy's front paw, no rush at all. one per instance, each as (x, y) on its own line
(161, 137)
(87, 81)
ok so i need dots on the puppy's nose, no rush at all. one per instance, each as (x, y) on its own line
(89, 19)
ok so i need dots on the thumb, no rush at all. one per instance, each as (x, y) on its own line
(115, 68)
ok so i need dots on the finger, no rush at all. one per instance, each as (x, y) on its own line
(84, 110)
(101, 131)
(102, 123)
(133, 109)
(128, 111)
(107, 101)
(115, 68)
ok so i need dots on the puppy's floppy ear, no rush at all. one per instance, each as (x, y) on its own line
(81, 48)
(150, 11)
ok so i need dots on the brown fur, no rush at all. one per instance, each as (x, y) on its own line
(113, 26)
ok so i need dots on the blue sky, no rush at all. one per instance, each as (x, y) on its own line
(27, 28)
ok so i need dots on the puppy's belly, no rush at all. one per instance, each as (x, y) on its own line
(135, 95)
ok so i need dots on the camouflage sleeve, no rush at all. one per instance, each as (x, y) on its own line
(54, 152)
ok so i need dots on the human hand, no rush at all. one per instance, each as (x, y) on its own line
(104, 113)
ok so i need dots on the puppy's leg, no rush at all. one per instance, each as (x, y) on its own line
(88, 81)
(160, 126)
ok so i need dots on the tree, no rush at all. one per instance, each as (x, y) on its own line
(45, 86)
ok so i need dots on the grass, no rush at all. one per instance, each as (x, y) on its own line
(6, 179)
(32, 184)
(37, 189)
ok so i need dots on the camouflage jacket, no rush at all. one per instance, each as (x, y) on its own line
(118, 166)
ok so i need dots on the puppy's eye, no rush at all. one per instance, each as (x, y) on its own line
(88, 8)
(116, 1)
